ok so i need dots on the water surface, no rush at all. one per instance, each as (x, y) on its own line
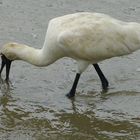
(33, 106)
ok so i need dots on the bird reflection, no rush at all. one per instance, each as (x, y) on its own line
(5, 90)
(73, 104)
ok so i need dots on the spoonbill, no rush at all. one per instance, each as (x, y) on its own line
(86, 37)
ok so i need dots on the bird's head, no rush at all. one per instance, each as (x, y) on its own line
(8, 54)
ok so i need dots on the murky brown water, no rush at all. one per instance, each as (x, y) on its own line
(34, 107)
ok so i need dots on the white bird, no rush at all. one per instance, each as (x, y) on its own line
(86, 37)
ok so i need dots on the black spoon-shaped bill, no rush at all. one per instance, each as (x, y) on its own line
(6, 62)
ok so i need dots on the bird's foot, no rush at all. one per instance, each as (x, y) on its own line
(105, 85)
(71, 94)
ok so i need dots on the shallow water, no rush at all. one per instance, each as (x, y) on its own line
(33, 106)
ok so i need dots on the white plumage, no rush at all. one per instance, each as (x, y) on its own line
(86, 37)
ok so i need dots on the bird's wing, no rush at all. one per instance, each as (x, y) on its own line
(79, 42)
(80, 36)
(68, 38)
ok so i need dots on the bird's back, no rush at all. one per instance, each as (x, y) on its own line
(90, 36)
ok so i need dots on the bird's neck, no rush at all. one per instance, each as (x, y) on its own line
(36, 57)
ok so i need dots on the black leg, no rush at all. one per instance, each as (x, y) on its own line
(101, 76)
(73, 89)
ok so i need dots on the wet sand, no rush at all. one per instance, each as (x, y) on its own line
(34, 106)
